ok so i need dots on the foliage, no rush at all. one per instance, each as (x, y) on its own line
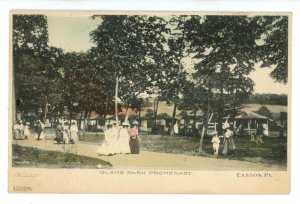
(128, 47)
(274, 46)
(35, 65)
(263, 110)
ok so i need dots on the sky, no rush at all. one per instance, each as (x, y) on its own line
(71, 33)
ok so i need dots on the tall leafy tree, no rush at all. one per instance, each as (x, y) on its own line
(273, 43)
(171, 85)
(128, 48)
(35, 74)
(226, 48)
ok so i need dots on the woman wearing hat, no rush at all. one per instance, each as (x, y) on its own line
(134, 141)
(59, 133)
(40, 130)
(74, 133)
(228, 143)
(106, 148)
(123, 141)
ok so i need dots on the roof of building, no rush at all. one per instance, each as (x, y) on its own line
(245, 114)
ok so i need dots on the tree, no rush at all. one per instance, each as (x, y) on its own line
(274, 45)
(34, 62)
(171, 85)
(128, 48)
(263, 110)
(225, 47)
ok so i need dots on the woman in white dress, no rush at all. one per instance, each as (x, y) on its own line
(74, 133)
(106, 148)
(65, 132)
(16, 130)
(124, 139)
(27, 131)
(115, 139)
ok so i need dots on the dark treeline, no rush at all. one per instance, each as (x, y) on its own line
(268, 99)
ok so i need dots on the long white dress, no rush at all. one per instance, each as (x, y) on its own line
(26, 131)
(106, 148)
(16, 129)
(123, 142)
(74, 133)
(115, 140)
(42, 136)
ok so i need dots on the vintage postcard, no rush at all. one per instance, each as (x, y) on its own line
(149, 102)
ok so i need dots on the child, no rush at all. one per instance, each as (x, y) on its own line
(216, 142)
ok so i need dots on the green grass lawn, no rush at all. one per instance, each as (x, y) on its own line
(33, 157)
(273, 151)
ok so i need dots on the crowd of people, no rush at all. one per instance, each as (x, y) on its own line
(124, 140)
(21, 130)
(120, 140)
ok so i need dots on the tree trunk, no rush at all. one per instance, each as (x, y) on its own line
(79, 124)
(46, 112)
(221, 112)
(71, 115)
(126, 113)
(85, 121)
(173, 118)
(194, 123)
(203, 132)
(155, 111)
(140, 109)
(116, 98)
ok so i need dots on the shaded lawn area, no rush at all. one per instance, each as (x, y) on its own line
(273, 151)
(33, 157)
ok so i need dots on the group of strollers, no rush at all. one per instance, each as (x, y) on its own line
(66, 134)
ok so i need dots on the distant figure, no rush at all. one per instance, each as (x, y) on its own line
(259, 135)
(216, 143)
(66, 132)
(252, 137)
(16, 130)
(176, 128)
(189, 129)
(74, 133)
(39, 130)
(26, 130)
(228, 143)
(134, 141)
(59, 134)
(21, 134)
(239, 131)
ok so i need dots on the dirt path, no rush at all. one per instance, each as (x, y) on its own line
(152, 159)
